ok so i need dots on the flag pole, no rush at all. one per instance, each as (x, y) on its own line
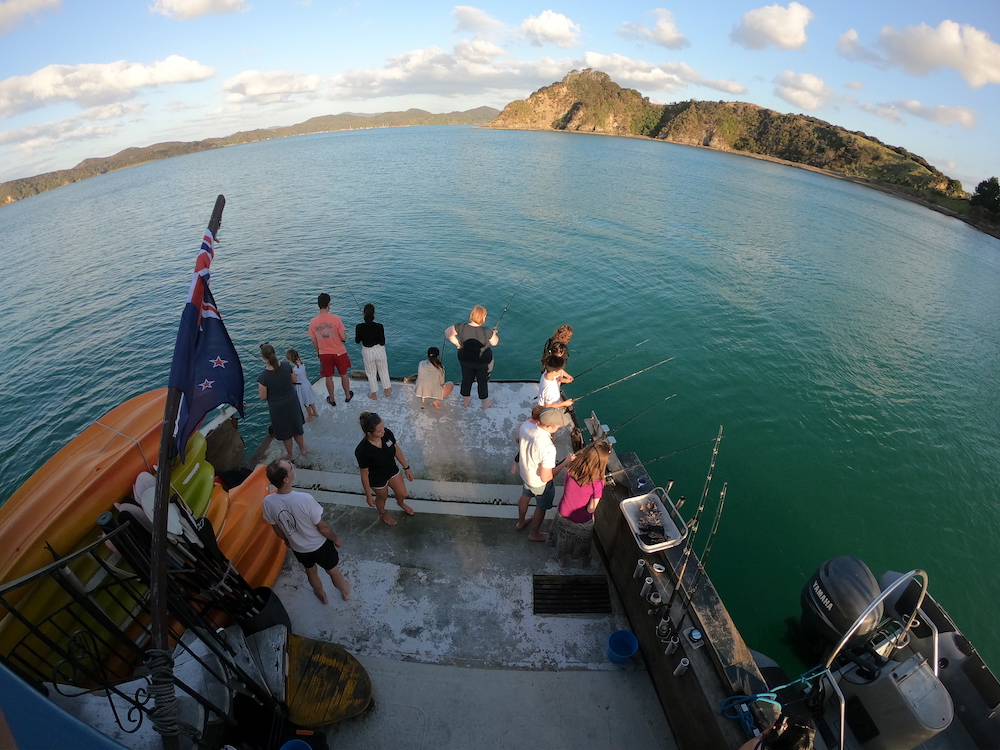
(158, 657)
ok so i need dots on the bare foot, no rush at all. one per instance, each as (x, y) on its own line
(585, 562)
(465, 401)
(388, 392)
(561, 561)
(487, 403)
(539, 537)
(286, 456)
(387, 519)
(321, 595)
(308, 419)
(522, 523)
(405, 507)
(346, 593)
(304, 450)
(437, 404)
(373, 396)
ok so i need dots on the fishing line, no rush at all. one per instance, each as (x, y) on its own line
(622, 380)
(611, 358)
(360, 309)
(523, 279)
(611, 432)
(665, 455)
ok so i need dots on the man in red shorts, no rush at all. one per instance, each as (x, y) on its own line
(328, 337)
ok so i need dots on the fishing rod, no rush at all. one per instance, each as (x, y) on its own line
(622, 380)
(666, 455)
(703, 560)
(355, 298)
(523, 279)
(612, 432)
(693, 526)
(611, 358)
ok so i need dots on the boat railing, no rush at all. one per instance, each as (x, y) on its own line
(898, 641)
(80, 626)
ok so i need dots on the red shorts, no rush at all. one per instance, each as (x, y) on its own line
(330, 364)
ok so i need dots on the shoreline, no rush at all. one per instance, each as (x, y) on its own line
(863, 182)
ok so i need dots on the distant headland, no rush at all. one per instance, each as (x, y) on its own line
(25, 187)
(588, 101)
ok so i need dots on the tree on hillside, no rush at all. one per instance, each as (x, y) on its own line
(987, 195)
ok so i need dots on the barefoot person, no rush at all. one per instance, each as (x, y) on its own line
(539, 470)
(371, 336)
(430, 379)
(297, 518)
(328, 336)
(377, 454)
(276, 386)
(475, 343)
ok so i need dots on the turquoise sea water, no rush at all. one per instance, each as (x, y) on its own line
(846, 340)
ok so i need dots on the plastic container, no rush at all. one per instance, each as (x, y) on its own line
(622, 646)
(296, 745)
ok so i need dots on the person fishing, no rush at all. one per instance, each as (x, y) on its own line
(475, 342)
(549, 393)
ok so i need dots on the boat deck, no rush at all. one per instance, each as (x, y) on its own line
(441, 608)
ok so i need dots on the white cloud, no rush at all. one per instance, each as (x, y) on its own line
(650, 76)
(785, 28)
(13, 11)
(802, 89)
(468, 18)
(193, 8)
(854, 85)
(94, 83)
(966, 49)
(90, 124)
(848, 46)
(885, 111)
(551, 28)
(664, 32)
(256, 87)
(940, 114)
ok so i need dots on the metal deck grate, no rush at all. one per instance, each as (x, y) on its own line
(564, 595)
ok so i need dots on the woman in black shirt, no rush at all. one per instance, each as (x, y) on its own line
(371, 336)
(377, 454)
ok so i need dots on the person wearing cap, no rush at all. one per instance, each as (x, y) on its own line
(539, 469)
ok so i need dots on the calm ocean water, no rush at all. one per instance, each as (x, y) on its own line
(846, 340)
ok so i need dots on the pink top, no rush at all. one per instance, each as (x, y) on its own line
(328, 332)
(575, 499)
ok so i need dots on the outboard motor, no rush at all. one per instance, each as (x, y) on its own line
(835, 596)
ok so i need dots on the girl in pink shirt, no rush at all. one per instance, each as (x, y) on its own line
(573, 528)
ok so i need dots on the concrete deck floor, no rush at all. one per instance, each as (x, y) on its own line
(441, 616)
(441, 607)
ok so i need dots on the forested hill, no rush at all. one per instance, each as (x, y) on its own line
(15, 190)
(589, 101)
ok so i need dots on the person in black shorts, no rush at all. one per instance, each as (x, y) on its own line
(297, 518)
(377, 454)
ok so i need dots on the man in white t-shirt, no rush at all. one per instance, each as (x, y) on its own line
(537, 463)
(297, 518)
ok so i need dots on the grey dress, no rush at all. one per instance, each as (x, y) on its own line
(282, 402)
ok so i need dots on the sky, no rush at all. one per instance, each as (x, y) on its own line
(88, 79)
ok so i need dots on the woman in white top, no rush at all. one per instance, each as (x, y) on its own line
(430, 379)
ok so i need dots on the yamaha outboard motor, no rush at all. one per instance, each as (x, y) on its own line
(835, 597)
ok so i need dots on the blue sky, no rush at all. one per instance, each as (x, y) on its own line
(84, 79)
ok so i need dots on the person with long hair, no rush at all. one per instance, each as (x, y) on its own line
(377, 454)
(303, 388)
(430, 379)
(572, 531)
(371, 336)
(475, 354)
(558, 343)
(276, 385)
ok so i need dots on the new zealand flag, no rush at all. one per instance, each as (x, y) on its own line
(206, 369)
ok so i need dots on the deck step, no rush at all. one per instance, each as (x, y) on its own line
(561, 595)
(325, 683)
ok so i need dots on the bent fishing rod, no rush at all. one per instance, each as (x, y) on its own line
(611, 358)
(523, 279)
(622, 380)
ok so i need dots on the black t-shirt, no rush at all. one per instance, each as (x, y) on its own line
(475, 341)
(380, 462)
(369, 334)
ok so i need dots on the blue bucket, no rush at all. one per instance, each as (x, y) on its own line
(296, 745)
(622, 645)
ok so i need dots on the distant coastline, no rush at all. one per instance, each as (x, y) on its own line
(25, 187)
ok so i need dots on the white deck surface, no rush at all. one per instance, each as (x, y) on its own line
(441, 607)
